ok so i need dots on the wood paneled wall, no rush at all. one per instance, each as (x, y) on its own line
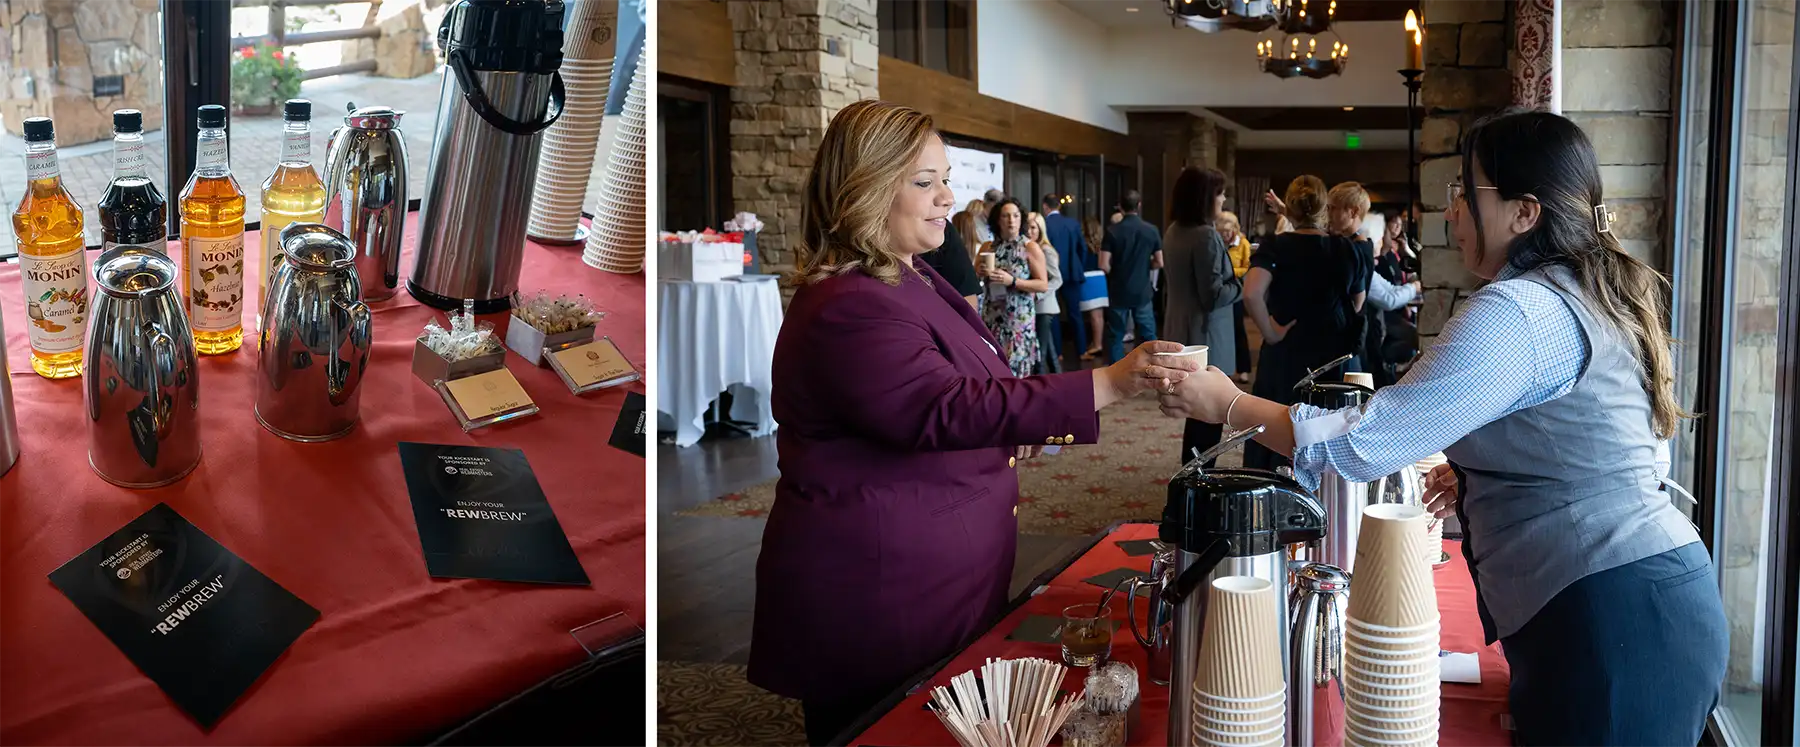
(694, 40)
(960, 109)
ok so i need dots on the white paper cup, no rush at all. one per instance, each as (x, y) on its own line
(1427, 692)
(1389, 630)
(1385, 687)
(1229, 734)
(1274, 715)
(1245, 704)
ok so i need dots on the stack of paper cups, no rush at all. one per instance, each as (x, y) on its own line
(616, 239)
(1391, 681)
(1434, 527)
(567, 156)
(1240, 691)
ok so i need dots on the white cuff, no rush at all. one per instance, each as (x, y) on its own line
(1325, 427)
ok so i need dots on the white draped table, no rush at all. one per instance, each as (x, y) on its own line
(712, 338)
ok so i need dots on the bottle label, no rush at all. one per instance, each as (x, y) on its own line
(215, 269)
(56, 300)
(213, 153)
(41, 166)
(271, 251)
(128, 159)
(296, 147)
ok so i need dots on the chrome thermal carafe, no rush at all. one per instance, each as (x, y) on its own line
(1161, 624)
(316, 334)
(1342, 498)
(365, 194)
(141, 382)
(1226, 522)
(9, 423)
(1320, 598)
(501, 91)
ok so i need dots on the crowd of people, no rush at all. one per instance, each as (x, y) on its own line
(1328, 278)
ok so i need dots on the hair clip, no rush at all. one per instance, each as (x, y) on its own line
(1603, 218)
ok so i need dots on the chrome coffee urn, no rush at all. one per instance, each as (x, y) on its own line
(1342, 498)
(365, 188)
(1226, 522)
(501, 91)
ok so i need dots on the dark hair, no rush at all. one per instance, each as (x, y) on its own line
(1545, 158)
(1131, 201)
(1192, 202)
(1050, 202)
(993, 216)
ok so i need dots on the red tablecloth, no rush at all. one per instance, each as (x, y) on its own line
(1470, 714)
(396, 655)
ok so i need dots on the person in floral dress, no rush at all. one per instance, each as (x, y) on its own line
(1009, 301)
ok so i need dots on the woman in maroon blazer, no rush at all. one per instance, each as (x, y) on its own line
(891, 540)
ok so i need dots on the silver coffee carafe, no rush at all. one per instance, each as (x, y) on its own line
(1226, 522)
(1158, 641)
(141, 380)
(501, 91)
(316, 334)
(1320, 598)
(1343, 499)
(9, 423)
(365, 188)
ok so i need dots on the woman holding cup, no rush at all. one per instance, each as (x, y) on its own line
(1202, 287)
(1551, 393)
(891, 540)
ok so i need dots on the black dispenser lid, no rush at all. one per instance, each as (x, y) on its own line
(523, 36)
(1331, 395)
(1257, 511)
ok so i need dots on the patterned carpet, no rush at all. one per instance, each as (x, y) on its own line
(1077, 492)
(712, 705)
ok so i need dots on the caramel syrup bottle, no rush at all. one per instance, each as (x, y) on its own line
(47, 226)
(212, 242)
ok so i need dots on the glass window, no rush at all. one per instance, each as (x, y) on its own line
(330, 55)
(118, 60)
(935, 34)
(1690, 251)
(688, 177)
(1764, 107)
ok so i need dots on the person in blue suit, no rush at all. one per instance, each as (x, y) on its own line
(1064, 233)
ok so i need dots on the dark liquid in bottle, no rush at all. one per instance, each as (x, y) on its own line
(132, 211)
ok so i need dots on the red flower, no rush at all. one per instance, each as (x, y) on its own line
(277, 55)
(249, 52)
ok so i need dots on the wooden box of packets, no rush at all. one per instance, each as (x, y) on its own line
(532, 344)
(432, 368)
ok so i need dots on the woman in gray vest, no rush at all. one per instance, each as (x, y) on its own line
(1551, 392)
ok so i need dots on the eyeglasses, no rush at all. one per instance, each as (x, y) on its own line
(1456, 191)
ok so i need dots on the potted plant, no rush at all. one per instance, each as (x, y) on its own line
(262, 77)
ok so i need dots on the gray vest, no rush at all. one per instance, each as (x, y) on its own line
(1565, 489)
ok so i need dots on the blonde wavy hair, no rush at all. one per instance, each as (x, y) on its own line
(1349, 197)
(867, 151)
(1043, 239)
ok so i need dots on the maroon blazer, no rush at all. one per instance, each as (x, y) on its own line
(891, 540)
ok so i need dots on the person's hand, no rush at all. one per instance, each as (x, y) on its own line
(1417, 288)
(1275, 204)
(1204, 396)
(1143, 370)
(1026, 452)
(1281, 331)
(1441, 491)
(1001, 276)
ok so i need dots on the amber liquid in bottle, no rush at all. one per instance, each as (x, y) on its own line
(293, 193)
(212, 243)
(47, 226)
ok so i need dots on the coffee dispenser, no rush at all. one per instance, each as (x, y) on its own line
(501, 91)
(1225, 522)
(1315, 676)
(1342, 498)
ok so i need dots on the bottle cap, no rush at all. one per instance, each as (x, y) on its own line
(39, 129)
(297, 110)
(212, 115)
(128, 120)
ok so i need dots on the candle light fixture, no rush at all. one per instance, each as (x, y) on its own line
(1310, 63)
(1412, 73)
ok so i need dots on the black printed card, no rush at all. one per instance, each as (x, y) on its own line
(482, 514)
(628, 432)
(196, 619)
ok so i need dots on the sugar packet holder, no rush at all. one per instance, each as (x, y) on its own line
(469, 351)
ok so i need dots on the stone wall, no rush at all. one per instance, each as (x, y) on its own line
(1466, 77)
(51, 51)
(1617, 59)
(1203, 144)
(407, 47)
(798, 63)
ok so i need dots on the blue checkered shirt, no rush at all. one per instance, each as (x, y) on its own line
(1512, 345)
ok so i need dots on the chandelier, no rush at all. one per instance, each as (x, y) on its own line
(1291, 16)
(1291, 63)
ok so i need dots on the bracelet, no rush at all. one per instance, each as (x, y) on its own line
(1229, 407)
